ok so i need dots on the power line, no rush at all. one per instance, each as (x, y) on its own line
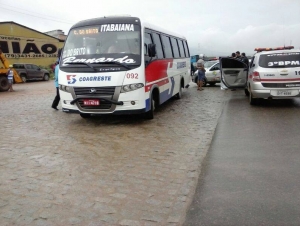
(36, 13)
(38, 16)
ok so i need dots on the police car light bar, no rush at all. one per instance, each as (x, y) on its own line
(270, 49)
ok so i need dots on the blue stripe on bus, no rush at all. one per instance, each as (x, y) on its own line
(163, 96)
(148, 106)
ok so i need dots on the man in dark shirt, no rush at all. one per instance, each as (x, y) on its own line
(245, 59)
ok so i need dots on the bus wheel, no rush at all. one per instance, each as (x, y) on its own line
(150, 114)
(179, 94)
(85, 115)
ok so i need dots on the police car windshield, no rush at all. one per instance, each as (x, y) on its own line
(103, 43)
(208, 64)
(280, 60)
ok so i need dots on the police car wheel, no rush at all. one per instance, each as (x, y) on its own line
(252, 101)
(247, 92)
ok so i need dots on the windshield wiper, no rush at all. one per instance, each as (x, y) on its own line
(114, 62)
(89, 65)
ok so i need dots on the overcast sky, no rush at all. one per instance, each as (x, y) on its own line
(212, 27)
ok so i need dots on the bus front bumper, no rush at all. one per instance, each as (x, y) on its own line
(125, 112)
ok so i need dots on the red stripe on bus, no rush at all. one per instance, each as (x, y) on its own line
(157, 70)
(160, 83)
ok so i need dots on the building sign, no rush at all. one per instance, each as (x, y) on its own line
(22, 47)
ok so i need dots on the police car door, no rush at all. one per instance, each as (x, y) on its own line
(234, 73)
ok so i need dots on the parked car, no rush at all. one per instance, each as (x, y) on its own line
(31, 72)
(272, 74)
(212, 74)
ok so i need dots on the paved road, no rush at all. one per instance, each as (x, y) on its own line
(60, 169)
(251, 173)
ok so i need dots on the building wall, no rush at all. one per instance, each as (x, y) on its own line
(57, 34)
(21, 44)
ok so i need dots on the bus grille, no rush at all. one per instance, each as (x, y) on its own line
(107, 92)
(86, 91)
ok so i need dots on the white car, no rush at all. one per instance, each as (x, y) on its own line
(272, 74)
(212, 74)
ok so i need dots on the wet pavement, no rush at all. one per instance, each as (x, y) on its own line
(251, 173)
(60, 169)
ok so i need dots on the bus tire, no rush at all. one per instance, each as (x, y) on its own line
(179, 94)
(150, 114)
(85, 115)
(4, 85)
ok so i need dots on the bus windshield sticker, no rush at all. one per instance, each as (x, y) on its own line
(86, 31)
(125, 59)
(74, 52)
(116, 27)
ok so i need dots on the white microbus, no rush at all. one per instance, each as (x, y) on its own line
(120, 65)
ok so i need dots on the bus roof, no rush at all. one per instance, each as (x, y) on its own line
(108, 20)
(125, 19)
(162, 30)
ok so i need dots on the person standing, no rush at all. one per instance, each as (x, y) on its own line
(10, 77)
(57, 97)
(245, 59)
(238, 54)
(200, 61)
(201, 76)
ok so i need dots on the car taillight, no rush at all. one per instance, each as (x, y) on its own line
(255, 76)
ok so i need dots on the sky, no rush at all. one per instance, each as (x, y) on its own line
(212, 27)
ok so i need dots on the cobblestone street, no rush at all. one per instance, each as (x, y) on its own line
(61, 169)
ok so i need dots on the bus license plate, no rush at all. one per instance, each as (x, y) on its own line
(89, 102)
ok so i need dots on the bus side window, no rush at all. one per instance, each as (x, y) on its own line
(167, 46)
(157, 42)
(186, 49)
(181, 48)
(147, 40)
(175, 48)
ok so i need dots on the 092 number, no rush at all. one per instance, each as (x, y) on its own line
(132, 75)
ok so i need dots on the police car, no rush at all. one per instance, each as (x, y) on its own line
(212, 74)
(274, 73)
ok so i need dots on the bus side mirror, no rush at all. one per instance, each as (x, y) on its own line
(151, 50)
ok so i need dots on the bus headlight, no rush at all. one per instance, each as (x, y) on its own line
(131, 87)
(64, 88)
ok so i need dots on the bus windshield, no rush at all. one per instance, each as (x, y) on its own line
(103, 43)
